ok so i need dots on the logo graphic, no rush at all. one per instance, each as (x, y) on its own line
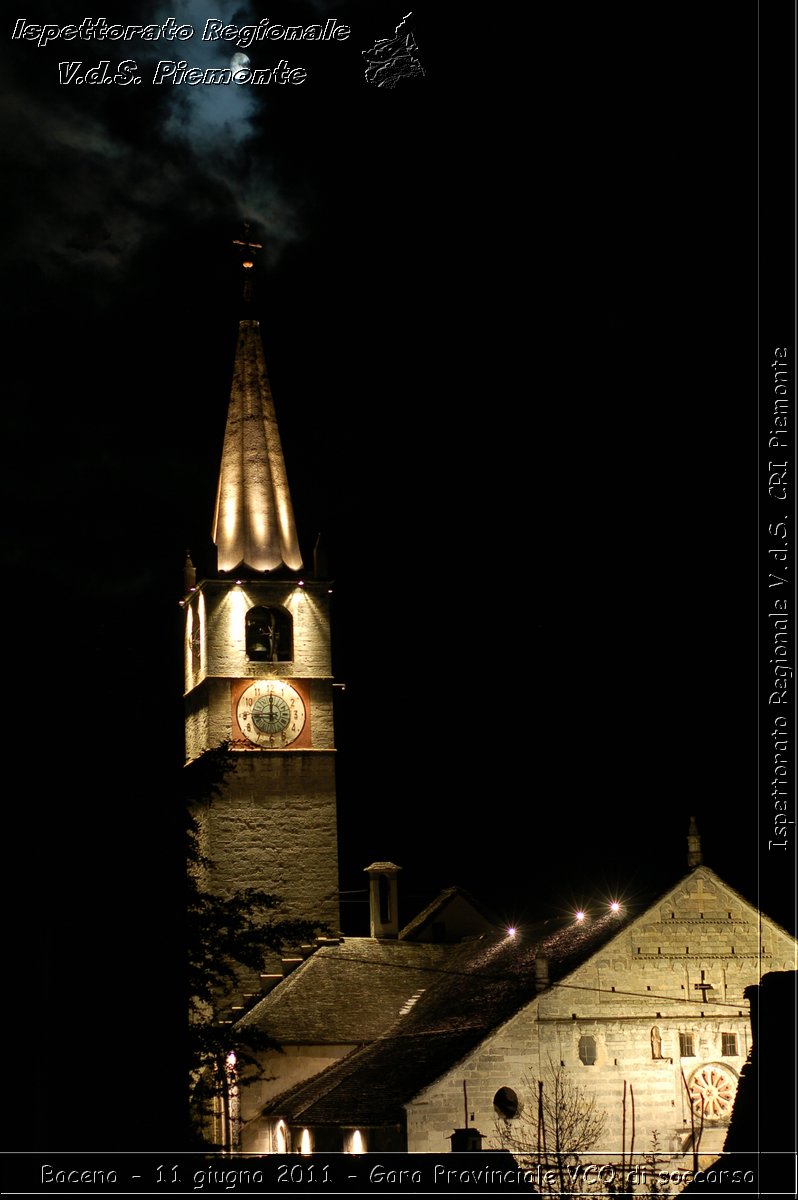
(390, 60)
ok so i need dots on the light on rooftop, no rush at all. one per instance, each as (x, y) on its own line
(580, 915)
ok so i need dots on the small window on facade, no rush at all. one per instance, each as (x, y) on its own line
(506, 1103)
(728, 1044)
(686, 1045)
(270, 635)
(587, 1050)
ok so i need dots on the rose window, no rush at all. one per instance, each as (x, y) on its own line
(712, 1091)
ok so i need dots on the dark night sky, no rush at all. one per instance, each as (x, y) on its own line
(508, 316)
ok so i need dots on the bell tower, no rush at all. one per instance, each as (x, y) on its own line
(258, 671)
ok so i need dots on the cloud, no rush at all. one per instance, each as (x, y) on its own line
(100, 176)
(213, 121)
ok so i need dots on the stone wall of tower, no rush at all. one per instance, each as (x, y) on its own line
(227, 604)
(274, 828)
(209, 718)
(216, 654)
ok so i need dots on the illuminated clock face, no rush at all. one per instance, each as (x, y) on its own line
(271, 713)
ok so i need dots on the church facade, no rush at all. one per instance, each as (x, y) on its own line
(645, 1015)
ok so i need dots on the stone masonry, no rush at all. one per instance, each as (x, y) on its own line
(680, 968)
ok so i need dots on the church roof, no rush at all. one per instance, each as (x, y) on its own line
(472, 989)
(253, 523)
(377, 980)
(370, 1086)
(477, 985)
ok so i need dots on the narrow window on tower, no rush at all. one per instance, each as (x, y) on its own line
(196, 643)
(728, 1044)
(270, 635)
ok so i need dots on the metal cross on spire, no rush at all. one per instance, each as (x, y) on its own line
(248, 250)
(246, 245)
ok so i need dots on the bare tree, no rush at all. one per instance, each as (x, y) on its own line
(557, 1123)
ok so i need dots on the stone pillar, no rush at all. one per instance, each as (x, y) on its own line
(383, 905)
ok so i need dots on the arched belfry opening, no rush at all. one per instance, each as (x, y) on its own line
(269, 634)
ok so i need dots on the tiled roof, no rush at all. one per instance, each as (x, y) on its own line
(350, 992)
(477, 986)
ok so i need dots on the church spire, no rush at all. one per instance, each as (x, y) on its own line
(253, 524)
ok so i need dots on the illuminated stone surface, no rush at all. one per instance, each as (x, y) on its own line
(272, 826)
(254, 519)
